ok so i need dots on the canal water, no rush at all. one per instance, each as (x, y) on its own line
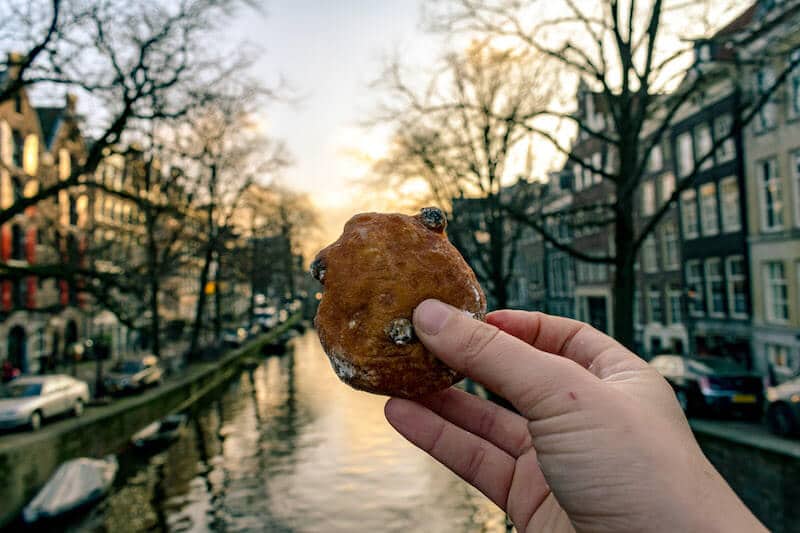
(287, 447)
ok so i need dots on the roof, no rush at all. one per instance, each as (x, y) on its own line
(50, 120)
(740, 22)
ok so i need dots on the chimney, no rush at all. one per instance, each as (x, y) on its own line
(15, 59)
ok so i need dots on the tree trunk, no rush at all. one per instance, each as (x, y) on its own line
(218, 299)
(152, 274)
(201, 300)
(624, 275)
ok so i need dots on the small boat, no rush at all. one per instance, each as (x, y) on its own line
(161, 431)
(77, 483)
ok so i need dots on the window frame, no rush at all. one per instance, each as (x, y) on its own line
(705, 213)
(710, 280)
(769, 301)
(693, 282)
(730, 281)
(725, 210)
(684, 153)
(702, 135)
(692, 204)
(762, 165)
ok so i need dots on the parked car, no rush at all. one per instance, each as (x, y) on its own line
(712, 385)
(783, 409)
(29, 400)
(134, 375)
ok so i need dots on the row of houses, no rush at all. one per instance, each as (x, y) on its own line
(720, 275)
(42, 317)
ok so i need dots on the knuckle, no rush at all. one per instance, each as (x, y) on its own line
(474, 462)
(475, 343)
(487, 420)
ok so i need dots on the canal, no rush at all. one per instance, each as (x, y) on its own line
(287, 447)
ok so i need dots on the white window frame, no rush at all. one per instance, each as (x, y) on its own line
(685, 153)
(793, 87)
(709, 281)
(667, 186)
(650, 255)
(648, 198)
(695, 282)
(769, 301)
(765, 118)
(731, 214)
(709, 214)
(794, 159)
(765, 182)
(597, 162)
(669, 234)
(651, 294)
(723, 125)
(730, 281)
(655, 161)
(689, 205)
(673, 294)
(704, 144)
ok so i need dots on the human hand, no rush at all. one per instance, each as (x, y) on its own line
(599, 444)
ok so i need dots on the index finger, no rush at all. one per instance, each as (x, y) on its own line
(576, 340)
(522, 374)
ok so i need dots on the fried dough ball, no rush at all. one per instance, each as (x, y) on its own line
(374, 275)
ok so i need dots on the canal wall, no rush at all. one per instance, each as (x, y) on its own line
(28, 460)
(763, 470)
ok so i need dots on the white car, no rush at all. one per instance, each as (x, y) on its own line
(27, 401)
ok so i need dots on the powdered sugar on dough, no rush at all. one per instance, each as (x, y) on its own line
(343, 368)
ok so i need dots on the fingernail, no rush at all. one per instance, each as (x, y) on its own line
(430, 316)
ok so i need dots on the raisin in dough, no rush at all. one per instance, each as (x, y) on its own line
(374, 275)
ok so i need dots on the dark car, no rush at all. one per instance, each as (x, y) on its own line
(133, 375)
(783, 409)
(712, 385)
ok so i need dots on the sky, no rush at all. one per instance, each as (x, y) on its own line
(329, 51)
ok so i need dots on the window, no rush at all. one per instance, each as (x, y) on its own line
(703, 144)
(708, 209)
(685, 154)
(597, 163)
(17, 149)
(714, 288)
(771, 195)
(654, 303)
(577, 170)
(723, 129)
(694, 282)
(765, 119)
(669, 244)
(776, 292)
(667, 186)
(794, 87)
(648, 198)
(689, 213)
(649, 259)
(795, 162)
(656, 160)
(674, 301)
(729, 195)
(780, 356)
(737, 286)
(637, 307)
(17, 243)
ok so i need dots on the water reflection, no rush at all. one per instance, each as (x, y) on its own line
(289, 448)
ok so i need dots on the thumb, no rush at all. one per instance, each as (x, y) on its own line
(521, 373)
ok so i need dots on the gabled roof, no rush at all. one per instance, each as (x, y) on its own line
(740, 22)
(50, 119)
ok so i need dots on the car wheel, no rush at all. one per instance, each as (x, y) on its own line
(35, 421)
(77, 409)
(780, 420)
(683, 400)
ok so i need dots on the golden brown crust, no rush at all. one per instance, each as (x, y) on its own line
(375, 274)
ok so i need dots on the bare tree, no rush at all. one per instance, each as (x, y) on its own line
(638, 58)
(458, 137)
(224, 147)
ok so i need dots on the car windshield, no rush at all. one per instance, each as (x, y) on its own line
(21, 390)
(714, 366)
(128, 367)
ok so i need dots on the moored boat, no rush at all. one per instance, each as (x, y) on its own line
(161, 431)
(75, 484)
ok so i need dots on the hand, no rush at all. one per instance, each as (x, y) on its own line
(599, 444)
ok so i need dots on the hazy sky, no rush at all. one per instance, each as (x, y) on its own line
(329, 51)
